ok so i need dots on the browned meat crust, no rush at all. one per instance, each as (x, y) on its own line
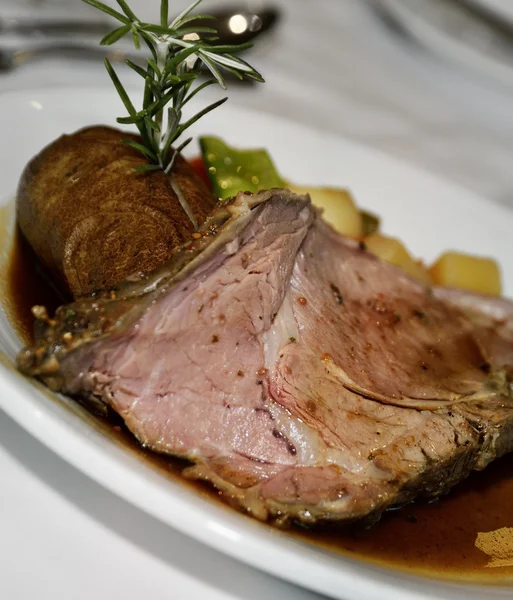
(92, 220)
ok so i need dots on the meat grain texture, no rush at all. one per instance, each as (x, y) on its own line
(302, 376)
(93, 221)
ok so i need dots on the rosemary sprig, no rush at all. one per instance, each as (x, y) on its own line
(178, 55)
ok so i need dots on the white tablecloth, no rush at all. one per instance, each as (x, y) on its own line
(331, 64)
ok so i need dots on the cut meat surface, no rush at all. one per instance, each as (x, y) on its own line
(299, 374)
(385, 336)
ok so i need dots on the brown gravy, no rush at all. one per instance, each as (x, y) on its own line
(437, 539)
(26, 286)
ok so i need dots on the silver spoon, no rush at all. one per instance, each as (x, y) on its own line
(236, 25)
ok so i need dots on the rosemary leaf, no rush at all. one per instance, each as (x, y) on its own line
(159, 104)
(250, 72)
(172, 80)
(127, 10)
(149, 91)
(227, 61)
(183, 145)
(205, 84)
(188, 76)
(176, 153)
(153, 65)
(230, 48)
(180, 57)
(179, 79)
(146, 138)
(149, 42)
(186, 31)
(210, 39)
(156, 90)
(107, 9)
(139, 70)
(142, 149)
(115, 35)
(214, 70)
(173, 119)
(196, 17)
(120, 89)
(237, 74)
(164, 13)
(179, 87)
(170, 84)
(137, 39)
(129, 120)
(151, 124)
(201, 113)
(158, 29)
(185, 13)
(146, 168)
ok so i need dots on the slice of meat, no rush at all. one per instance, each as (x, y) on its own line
(302, 376)
(386, 337)
(493, 323)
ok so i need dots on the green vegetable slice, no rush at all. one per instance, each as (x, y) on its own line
(232, 170)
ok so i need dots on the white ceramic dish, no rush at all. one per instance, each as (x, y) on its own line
(429, 214)
(439, 27)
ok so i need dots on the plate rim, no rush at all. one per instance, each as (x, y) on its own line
(352, 573)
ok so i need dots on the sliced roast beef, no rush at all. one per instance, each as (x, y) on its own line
(302, 376)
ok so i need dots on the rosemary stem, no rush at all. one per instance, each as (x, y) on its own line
(162, 50)
(181, 198)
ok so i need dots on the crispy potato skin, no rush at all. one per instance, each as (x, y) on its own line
(92, 220)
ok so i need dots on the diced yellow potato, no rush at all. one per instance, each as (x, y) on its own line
(393, 251)
(467, 272)
(339, 209)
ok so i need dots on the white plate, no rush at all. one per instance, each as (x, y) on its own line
(429, 214)
(444, 29)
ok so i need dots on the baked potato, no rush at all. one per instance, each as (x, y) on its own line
(394, 251)
(92, 220)
(467, 272)
(338, 208)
